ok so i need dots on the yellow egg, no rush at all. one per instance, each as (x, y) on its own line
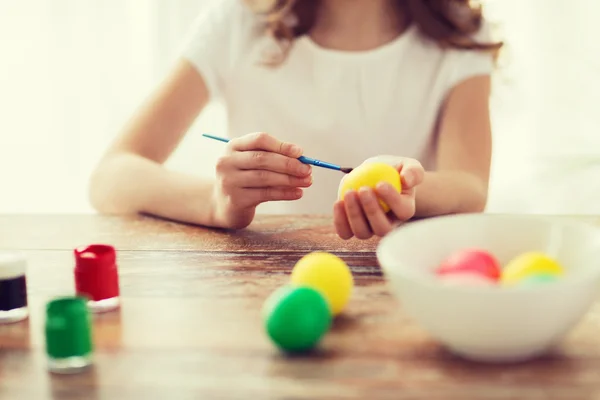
(329, 275)
(528, 264)
(369, 175)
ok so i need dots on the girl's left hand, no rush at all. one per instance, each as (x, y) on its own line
(359, 213)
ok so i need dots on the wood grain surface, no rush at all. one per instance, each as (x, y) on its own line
(267, 233)
(190, 326)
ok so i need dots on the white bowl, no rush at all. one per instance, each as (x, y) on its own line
(493, 324)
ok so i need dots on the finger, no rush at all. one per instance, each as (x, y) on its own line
(340, 221)
(411, 172)
(249, 160)
(379, 222)
(266, 142)
(401, 205)
(258, 178)
(356, 217)
(255, 196)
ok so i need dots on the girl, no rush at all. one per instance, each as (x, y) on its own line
(338, 80)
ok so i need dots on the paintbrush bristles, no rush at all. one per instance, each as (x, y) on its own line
(346, 170)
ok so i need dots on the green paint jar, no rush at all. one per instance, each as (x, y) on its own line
(68, 335)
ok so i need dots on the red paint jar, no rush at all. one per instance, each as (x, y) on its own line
(97, 277)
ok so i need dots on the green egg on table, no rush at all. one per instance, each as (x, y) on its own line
(296, 318)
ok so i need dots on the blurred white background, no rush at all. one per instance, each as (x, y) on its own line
(73, 71)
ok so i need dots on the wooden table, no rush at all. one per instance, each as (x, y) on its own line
(190, 325)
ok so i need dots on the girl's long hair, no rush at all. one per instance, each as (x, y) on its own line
(450, 23)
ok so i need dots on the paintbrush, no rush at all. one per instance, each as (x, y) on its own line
(302, 159)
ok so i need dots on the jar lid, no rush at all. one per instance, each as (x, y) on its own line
(96, 275)
(95, 256)
(12, 265)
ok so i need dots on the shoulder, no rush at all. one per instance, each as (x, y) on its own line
(225, 31)
(462, 64)
(220, 36)
(227, 9)
(443, 67)
(225, 17)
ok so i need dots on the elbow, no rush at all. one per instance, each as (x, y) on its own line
(103, 187)
(472, 196)
(480, 203)
(479, 197)
(98, 192)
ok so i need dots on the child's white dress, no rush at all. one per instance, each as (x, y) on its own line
(341, 107)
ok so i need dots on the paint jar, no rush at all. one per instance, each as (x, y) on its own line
(68, 335)
(13, 288)
(96, 277)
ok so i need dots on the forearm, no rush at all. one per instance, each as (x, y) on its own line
(450, 192)
(127, 183)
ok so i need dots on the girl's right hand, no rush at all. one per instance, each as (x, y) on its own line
(256, 168)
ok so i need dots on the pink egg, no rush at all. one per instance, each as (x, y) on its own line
(466, 279)
(473, 261)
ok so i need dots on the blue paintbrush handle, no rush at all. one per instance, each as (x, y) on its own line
(318, 163)
(302, 159)
(220, 139)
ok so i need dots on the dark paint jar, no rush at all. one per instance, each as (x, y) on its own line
(13, 288)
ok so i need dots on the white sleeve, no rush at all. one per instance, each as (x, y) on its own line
(215, 41)
(469, 63)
